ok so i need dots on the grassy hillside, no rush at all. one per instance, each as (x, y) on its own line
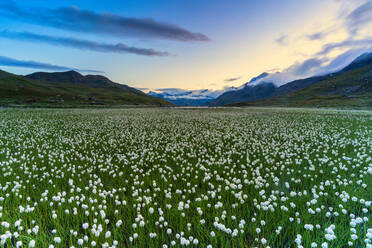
(350, 89)
(20, 90)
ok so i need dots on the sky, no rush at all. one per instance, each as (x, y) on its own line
(186, 44)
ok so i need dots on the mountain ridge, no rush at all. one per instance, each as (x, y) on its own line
(235, 97)
(347, 89)
(360, 61)
(69, 88)
(97, 81)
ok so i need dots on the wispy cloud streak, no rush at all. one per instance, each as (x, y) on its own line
(327, 48)
(359, 17)
(85, 21)
(232, 79)
(6, 61)
(81, 44)
(282, 40)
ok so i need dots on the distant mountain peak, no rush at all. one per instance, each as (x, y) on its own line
(262, 75)
(361, 61)
(250, 82)
(363, 57)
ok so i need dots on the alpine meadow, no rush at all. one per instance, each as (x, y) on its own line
(188, 177)
(186, 123)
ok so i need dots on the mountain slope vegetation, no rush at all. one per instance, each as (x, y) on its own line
(69, 88)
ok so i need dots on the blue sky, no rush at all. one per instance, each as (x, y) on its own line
(186, 44)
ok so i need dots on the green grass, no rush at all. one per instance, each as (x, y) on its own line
(242, 160)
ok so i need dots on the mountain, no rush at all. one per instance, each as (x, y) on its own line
(202, 97)
(351, 88)
(255, 79)
(247, 93)
(61, 77)
(361, 61)
(252, 92)
(182, 101)
(182, 97)
(298, 85)
(69, 88)
(73, 77)
(262, 75)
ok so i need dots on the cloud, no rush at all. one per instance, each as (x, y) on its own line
(81, 44)
(283, 40)
(85, 21)
(314, 66)
(273, 70)
(232, 79)
(321, 63)
(173, 91)
(306, 67)
(359, 17)
(318, 35)
(348, 43)
(352, 21)
(343, 60)
(6, 61)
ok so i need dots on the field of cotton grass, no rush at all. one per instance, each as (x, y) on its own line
(185, 177)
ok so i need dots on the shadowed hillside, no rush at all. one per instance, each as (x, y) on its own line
(69, 88)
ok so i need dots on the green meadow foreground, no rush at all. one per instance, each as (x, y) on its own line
(185, 177)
